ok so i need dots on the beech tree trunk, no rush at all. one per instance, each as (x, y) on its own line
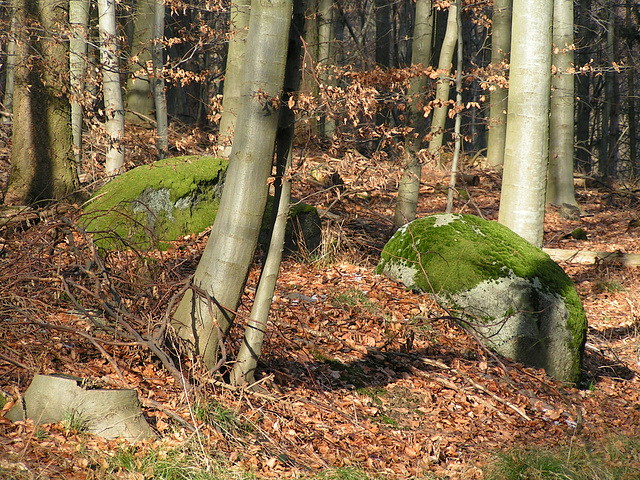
(238, 26)
(561, 122)
(139, 97)
(326, 55)
(159, 94)
(223, 268)
(439, 118)
(500, 46)
(79, 23)
(42, 160)
(526, 149)
(10, 71)
(409, 186)
(112, 92)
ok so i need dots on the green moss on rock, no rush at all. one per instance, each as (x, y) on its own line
(156, 202)
(451, 255)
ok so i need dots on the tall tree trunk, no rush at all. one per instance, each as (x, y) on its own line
(159, 94)
(631, 99)
(409, 187)
(608, 138)
(42, 160)
(79, 24)
(383, 33)
(240, 10)
(439, 118)
(9, 87)
(561, 122)
(500, 45)
(583, 82)
(112, 91)
(326, 55)
(223, 268)
(456, 130)
(139, 97)
(526, 148)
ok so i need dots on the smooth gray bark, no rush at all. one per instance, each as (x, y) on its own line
(139, 97)
(500, 46)
(326, 54)
(79, 24)
(526, 148)
(456, 130)
(113, 104)
(158, 87)
(223, 268)
(442, 90)
(239, 24)
(561, 121)
(9, 85)
(409, 186)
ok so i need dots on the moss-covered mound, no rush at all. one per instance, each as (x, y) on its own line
(157, 202)
(510, 292)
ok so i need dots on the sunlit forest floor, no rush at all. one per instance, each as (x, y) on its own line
(356, 371)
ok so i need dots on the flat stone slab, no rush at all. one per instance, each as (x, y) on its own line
(512, 294)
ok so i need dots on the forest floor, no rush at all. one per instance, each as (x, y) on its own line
(356, 370)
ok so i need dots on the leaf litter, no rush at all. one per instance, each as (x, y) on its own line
(356, 371)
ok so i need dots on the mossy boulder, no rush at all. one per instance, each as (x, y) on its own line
(152, 204)
(157, 202)
(518, 300)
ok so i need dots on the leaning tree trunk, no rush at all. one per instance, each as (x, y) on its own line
(79, 23)
(42, 160)
(112, 92)
(409, 186)
(205, 313)
(240, 10)
(500, 45)
(442, 90)
(526, 148)
(561, 122)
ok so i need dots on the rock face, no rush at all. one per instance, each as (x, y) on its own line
(518, 300)
(157, 203)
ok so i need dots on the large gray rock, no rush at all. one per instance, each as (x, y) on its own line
(152, 204)
(512, 294)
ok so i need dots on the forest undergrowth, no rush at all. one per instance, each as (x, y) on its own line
(359, 377)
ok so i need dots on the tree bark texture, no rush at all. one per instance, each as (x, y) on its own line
(159, 94)
(439, 118)
(79, 24)
(561, 121)
(326, 55)
(409, 186)
(10, 71)
(112, 92)
(240, 10)
(139, 97)
(526, 147)
(42, 160)
(500, 46)
(224, 266)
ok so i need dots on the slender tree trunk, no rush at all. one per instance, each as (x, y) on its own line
(383, 33)
(500, 45)
(526, 148)
(561, 122)
(139, 97)
(458, 140)
(79, 23)
(159, 94)
(409, 187)
(583, 82)
(442, 90)
(10, 72)
(223, 268)
(326, 55)
(607, 146)
(42, 160)
(631, 100)
(112, 92)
